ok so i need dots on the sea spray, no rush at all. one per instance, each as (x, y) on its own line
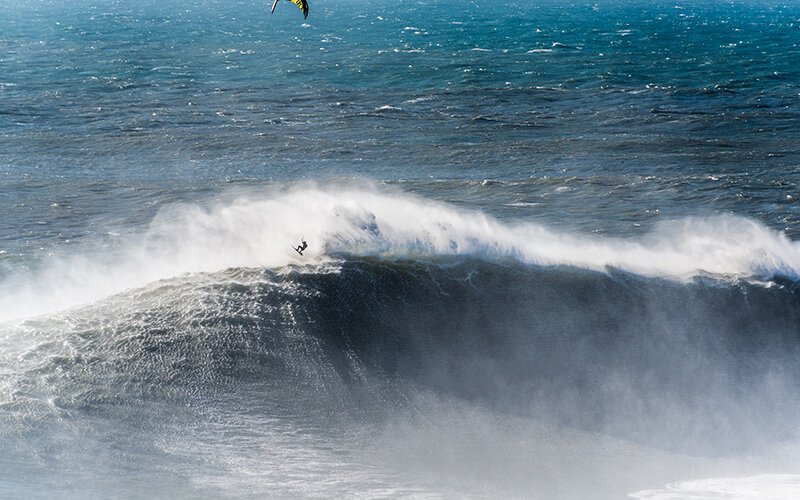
(260, 229)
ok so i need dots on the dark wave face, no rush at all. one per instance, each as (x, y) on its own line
(308, 368)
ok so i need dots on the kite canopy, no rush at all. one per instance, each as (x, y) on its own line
(300, 3)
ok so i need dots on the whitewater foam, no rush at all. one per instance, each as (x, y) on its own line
(339, 220)
(761, 487)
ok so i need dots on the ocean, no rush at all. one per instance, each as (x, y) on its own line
(553, 249)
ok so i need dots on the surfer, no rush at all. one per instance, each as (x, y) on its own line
(301, 247)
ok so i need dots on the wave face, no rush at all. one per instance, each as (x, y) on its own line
(235, 382)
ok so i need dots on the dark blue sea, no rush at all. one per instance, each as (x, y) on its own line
(553, 249)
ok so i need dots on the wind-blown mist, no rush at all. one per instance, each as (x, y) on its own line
(259, 230)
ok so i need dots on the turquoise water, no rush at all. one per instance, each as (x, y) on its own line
(568, 227)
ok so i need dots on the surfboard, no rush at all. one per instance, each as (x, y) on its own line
(296, 250)
(273, 6)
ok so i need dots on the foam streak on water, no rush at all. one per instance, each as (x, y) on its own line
(765, 487)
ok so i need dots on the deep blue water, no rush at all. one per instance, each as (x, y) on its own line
(555, 226)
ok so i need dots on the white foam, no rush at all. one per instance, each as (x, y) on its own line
(259, 231)
(761, 487)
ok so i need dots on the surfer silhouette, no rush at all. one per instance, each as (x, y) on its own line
(299, 249)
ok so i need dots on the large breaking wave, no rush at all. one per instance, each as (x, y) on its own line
(259, 231)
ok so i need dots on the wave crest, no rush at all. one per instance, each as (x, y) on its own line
(340, 220)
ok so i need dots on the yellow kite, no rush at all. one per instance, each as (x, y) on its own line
(300, 3)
